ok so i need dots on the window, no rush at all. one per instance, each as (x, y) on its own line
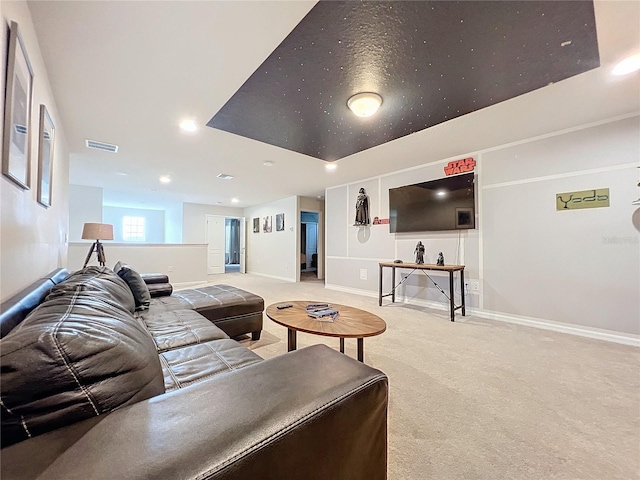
(133, 229)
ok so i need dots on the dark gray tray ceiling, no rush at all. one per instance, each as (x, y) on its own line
(430, 62)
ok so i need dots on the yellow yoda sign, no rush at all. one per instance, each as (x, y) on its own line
(585, 199)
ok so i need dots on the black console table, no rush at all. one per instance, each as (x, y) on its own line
(421, 266)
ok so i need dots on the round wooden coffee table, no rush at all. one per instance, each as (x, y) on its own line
(350, 323)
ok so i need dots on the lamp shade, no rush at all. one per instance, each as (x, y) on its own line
(97, 231)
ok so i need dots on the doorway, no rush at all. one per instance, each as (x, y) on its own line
(308, 246)
(232, 245)
(226, 244)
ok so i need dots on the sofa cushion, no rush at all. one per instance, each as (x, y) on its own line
(179, 328)
(188, 365)
(138, 288)
(79, 354)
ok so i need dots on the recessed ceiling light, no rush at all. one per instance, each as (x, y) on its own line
(165, 179)
(364, 104)
(441, 193)
(234, 200)
(331, 166)
(628, 65)
(268, 163)
(188, 125)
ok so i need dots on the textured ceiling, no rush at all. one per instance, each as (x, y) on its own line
(430, 61)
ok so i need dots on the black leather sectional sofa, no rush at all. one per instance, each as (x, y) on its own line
(92, 389)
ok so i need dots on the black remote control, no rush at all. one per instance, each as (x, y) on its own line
(281, 307)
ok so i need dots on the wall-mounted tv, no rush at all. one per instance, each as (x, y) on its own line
(444, 204)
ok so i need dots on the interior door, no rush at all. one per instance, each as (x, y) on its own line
(243, 244)
(215, 240)
(312, 242)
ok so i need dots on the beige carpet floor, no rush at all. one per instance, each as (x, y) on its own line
(478, 399)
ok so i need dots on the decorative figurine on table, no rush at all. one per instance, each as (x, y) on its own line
(362, 209)
(419, 251)
(440, 260)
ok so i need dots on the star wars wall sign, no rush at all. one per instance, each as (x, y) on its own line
(460, 166)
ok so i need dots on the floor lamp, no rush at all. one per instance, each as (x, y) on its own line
(97, 231)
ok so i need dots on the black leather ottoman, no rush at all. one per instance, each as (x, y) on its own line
(233, 310)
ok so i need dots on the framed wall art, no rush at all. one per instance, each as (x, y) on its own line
(266, 224)
(279, 222)
(45, 157)
(256, 225)
(16, 164)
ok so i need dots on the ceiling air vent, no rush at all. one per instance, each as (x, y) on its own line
(105, 147)
(224, 176)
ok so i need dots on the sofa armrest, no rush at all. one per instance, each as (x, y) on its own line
(313, 414)
(151, 278)
(158, 284)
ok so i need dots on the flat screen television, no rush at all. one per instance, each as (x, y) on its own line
(444, 204)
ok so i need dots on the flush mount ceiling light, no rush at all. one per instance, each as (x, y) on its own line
(268, 163)
(364, 104)
(188, 125)
(165, 179)
(234, 200)
(628, 65)
(331, 166)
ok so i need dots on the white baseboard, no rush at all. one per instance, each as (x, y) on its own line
(285, 279)
(355, 291)
(579, 330)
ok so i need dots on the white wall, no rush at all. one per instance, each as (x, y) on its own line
(579, 268)
(154, 222)
(173, 223)
(182, 263)
(194, 224)
(33, 240)
(85, 205)
(274, 254)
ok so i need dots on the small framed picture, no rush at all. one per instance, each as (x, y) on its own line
(266, 224)
(280, 222)
(16, 164)
(256, 225)
(45, 157)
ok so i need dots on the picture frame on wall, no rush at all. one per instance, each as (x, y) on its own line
(16, 163)
(45, 157)
(266, 224)
(279, 222)
(256, 225)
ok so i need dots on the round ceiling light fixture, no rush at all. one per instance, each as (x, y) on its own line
(628, 65)
(364, 104)
(188, 125)
(331, 166)
(165, 179)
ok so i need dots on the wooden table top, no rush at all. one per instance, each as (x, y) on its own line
(351, 322)
(424, 266)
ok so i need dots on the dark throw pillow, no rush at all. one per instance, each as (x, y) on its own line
(139, 289)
